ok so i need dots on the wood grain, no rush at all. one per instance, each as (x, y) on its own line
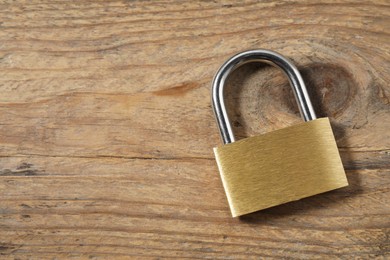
(106, 129)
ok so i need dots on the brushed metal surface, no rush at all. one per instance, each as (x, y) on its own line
(281, 166)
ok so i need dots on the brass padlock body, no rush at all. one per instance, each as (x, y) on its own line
(280, 166)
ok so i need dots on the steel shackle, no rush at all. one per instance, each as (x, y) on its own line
(264, 56)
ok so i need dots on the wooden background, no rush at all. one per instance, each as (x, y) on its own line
(106, 128)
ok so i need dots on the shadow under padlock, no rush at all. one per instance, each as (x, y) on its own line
(251, 188)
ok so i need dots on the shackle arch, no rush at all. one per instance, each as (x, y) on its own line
(263, 56)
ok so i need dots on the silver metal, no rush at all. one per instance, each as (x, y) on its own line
(264, 56)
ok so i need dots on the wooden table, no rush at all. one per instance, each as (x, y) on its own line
(106, 128)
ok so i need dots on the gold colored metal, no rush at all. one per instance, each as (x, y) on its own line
(281, 166)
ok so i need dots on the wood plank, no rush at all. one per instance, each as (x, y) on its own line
(134, 206)
(106, 127)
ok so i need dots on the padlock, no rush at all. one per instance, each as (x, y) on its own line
(280, 166)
